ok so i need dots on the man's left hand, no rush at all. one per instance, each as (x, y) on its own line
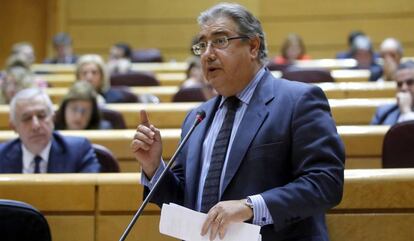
(222, 214)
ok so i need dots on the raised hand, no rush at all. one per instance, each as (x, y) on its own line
(147, 146)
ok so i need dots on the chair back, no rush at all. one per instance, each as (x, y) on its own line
(114, 117)
(189, 94)
(124, 94)
(134, 79)
(398, 146)
(105, 157)
(146, 56)
(272, 66)
(21, 221)
(308, 75)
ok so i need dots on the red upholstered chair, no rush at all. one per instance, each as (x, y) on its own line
(190, 94)
(134, 79)
(146, 56)
(21, 221)
(308, 75)
(398, 146)
(105, 157)
(114, 117)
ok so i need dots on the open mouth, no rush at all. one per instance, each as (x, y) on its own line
(212, 69)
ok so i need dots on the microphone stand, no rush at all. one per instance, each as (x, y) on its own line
(199, 117)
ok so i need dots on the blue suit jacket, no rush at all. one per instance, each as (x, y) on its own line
(386, 115)
(287, 149)
(67, 154)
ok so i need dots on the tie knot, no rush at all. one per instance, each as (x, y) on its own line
(232, 102)
(37, 159)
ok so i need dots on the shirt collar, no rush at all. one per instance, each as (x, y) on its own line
(28, 156)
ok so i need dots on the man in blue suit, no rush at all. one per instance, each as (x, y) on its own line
(402, 110)
(283, 167)
(38, 149)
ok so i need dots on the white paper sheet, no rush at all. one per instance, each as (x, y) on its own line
(183, 223)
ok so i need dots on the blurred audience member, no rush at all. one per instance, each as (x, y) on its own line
(391, 52)
(62, 44)
(17, 76)
(39, 149)
(292, 49)
(195, 78)
(91, 68)
(403, 109)
(363, 53)
(25, 50)
(15, 79)
(79, 109)
(348, 54)
(119, 59)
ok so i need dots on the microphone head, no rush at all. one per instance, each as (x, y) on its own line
(200, 116)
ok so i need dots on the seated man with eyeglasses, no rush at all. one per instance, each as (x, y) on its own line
(402, 110)
(39, 149)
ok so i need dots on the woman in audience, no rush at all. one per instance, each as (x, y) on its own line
(91, 68)
(292, 49)
(79, 109)
(196, 80)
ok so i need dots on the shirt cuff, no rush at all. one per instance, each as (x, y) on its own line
(261, 214)
(150, 183)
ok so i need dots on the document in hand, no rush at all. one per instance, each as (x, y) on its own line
(185, 224)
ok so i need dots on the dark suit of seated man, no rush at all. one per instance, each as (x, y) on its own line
(403, 110)
(39, 149)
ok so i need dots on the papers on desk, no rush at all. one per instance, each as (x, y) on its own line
(185, 224)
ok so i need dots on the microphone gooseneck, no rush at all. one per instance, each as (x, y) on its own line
(199, 117)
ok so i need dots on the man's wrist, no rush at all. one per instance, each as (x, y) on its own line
(248, 203)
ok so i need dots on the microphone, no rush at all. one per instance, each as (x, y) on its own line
(199, 117)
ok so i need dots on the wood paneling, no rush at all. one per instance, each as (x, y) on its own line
(169, 25)
(23, 20)
(65, 227)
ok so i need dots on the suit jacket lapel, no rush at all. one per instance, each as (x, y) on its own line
(254, 116)
(56, 159)
(194, 158)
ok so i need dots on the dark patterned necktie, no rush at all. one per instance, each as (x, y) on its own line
(37, 161)
(212, 183)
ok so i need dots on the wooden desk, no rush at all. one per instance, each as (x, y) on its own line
(169, 67)
(343, 90)
(67, 79)
(363, 144)
(377, 204)
(326, 64)
(332, 91)
(164, 93)
(171, 115)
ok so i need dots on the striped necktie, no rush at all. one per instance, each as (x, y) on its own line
(212, 183)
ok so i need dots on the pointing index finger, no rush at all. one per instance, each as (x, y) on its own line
(144, 118)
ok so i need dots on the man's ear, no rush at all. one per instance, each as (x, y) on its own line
(12, 126)
(254, 47)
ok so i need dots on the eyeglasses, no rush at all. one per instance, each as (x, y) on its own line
(408, 82)
(219, 43)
